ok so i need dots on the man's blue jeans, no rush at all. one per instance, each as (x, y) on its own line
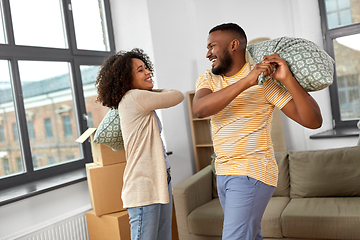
(243, 200)
(153, 221)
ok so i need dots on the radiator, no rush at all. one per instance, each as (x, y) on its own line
(71, 228)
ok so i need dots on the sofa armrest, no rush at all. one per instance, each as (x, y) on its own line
(190, 194)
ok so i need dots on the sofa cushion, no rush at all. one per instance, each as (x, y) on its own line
(270, 223)
(283, 187)
(207, 219)
(325, 173)
(322, 218)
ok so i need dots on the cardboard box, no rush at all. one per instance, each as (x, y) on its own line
(102, 154)
(105, 185)
(114, 226)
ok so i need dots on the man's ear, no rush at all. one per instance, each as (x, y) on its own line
(234, 45)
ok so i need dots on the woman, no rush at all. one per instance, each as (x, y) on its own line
(124, 82)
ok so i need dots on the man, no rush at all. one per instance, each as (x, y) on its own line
(241, 114)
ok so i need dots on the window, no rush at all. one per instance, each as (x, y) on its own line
(6, 165)
(48, 128)
(31, 130)
(19, 165)
(15, 132)
(67, 126)
(2, 135)
(341, 30)
(46, 48)
(88, 25)
(51, 160)
(35, 161)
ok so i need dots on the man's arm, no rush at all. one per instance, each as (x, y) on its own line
(207, 103)
(303, 109)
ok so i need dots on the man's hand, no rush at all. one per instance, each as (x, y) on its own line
(259, 68)
(282, 72)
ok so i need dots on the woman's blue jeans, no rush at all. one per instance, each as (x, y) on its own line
(153, 221)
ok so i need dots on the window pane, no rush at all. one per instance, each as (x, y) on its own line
(88, 76)
(90, 25)
(38, 23)
(347, 58)
(2, 28)
(10, 154)
(345, 17)
(342, 12)
(344, 4)
(48, 101)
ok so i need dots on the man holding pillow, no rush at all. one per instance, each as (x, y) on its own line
(241, 113)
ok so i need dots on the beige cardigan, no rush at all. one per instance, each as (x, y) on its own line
(145, 179)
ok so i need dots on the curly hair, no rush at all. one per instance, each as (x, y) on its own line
(115, 76)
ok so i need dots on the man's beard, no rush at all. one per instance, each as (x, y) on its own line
(225, 64)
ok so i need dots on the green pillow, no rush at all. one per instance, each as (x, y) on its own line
(109, 131)
(312, 67)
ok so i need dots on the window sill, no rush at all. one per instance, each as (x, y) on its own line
(17, 193)
(337, 133)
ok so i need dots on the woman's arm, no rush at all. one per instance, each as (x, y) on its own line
(158, 98)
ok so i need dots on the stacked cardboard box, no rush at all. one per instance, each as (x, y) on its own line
(108, 219)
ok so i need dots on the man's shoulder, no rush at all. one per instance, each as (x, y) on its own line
(206, 74)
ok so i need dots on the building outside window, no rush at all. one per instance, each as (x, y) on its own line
(19, 165)
(31, 130)
(48, 128)
(51, 160)
(2, 134)
(49, 60)
(341, 31)
(6, 166)
(67, 126)
(15, 132)
(35, 161)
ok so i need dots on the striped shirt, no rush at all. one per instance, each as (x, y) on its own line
(241, 131)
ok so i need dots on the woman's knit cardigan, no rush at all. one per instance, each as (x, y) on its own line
(145, 179)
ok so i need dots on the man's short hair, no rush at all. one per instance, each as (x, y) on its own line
(233, 27)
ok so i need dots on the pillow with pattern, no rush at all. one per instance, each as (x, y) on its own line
(311, 66)
(109, 131)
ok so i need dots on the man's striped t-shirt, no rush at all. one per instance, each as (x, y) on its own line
(241, 131)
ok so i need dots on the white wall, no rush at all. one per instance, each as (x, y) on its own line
(25, 215)
(174, 33)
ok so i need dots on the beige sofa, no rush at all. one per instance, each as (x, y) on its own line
(318, 197)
